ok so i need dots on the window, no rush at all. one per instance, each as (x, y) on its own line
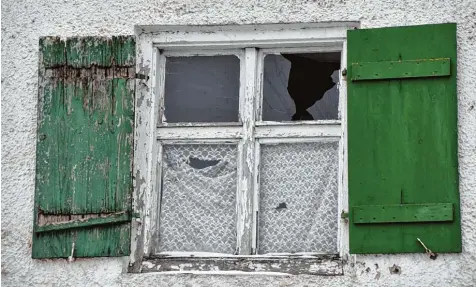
(248, 148)
(225, 148)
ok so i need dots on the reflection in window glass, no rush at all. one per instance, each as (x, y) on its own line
(202, 89)
(299, 87)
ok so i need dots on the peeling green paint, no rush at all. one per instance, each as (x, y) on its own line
(85, 143)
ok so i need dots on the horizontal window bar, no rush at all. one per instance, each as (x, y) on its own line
(199, 132)
(298, 131)
(217, 124)
(299, 123)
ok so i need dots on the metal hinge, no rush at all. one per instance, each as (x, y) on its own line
(344, 215)
(142, 77)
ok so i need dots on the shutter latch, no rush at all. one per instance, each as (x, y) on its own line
(428, 251)
(71, 257)
(344, 215)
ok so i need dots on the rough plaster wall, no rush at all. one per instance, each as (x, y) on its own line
(24, 21)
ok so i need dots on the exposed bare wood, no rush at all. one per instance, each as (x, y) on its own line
(246, 153)
(190, 41)
(309, 130)
(61, 222)
(260, 36)
(343, 239)
(144, 151)
(203, 132)
(323, 265)
(199, 52)
(213, 124)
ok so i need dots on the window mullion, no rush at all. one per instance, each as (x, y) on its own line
(246, 154)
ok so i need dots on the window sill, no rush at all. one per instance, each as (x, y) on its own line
(324, 265)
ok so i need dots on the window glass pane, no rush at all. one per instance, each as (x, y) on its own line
(298, 198)
(198, 207)
(202, 89)
(300, 87)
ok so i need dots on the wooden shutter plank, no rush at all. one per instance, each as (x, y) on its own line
(401, 69)
(84, 149)
(119, 217)
(52, 52)
(402, 138)
(105, 240)
(83, 52)
(403, 213)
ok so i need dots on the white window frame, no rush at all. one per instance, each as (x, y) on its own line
(250, 43)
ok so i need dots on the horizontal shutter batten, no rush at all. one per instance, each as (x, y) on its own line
(430, 212)
(401, 69)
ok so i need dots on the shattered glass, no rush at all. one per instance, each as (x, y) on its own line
(198, 206)
(298, 198)
(299, 87)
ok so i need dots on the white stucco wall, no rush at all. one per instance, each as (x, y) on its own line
(24, 21)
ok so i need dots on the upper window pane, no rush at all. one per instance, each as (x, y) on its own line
(300, 87)
(202, 89)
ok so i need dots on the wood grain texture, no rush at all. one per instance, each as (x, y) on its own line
(402, 137)
(324, 265)
(69, 223)
(84, 146)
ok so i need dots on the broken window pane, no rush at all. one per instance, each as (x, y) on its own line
(202, 89)
(198, 207)
(298, 198)
(298, 87)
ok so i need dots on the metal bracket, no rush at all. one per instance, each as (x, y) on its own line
(142, 77)
(428, 251)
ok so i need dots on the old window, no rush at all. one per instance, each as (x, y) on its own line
(247, 153)
(240, 156)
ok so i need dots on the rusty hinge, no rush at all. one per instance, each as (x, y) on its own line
(142, 77)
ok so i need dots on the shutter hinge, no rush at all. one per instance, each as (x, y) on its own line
(142, 77)
(344, 215)
(344, 72)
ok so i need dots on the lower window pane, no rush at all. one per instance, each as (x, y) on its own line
(298, 198)
(198, 206)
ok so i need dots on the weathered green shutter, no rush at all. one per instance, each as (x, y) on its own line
(84, 147)
(402, 139)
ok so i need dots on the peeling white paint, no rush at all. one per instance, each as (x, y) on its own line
(148, 264)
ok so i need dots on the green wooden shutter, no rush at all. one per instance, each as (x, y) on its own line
(84, 147)
(402, 139)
